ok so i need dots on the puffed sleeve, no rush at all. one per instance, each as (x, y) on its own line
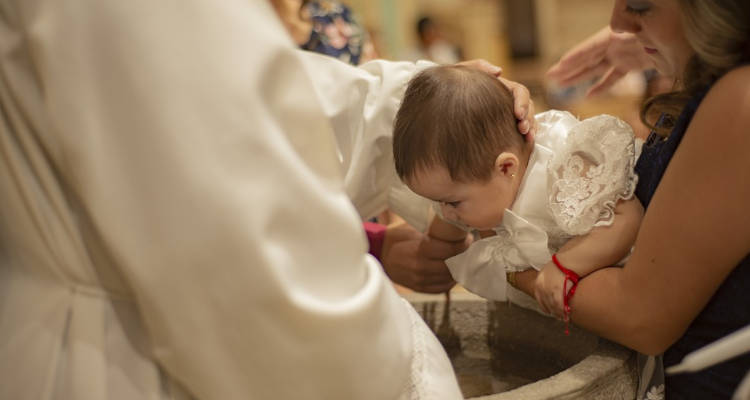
(190, 136)
(591, 170)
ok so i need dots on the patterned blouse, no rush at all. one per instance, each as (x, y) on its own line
(335, 31)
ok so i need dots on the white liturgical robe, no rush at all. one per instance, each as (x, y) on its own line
(175, 185)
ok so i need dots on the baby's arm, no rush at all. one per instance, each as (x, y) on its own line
(603, 246)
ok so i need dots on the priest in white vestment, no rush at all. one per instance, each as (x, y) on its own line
(175, 219)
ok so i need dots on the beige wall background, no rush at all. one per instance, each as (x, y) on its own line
(482, 29)
(480, 26)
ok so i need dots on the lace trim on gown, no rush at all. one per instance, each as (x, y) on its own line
(591, 174)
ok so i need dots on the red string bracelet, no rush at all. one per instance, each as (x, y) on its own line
(567, 295)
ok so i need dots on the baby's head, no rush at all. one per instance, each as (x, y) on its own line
(455, 141)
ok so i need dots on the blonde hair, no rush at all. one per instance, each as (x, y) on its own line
(719, 33)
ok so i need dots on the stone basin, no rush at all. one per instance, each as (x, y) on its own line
(502, 351)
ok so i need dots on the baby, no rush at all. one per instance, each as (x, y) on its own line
(564, 202)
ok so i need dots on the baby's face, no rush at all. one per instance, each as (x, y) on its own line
(479, 205)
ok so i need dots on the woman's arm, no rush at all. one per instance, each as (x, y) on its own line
(604, 245)
(601, 247)
(696, 230)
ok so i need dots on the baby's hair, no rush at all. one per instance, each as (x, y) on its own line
(456, 117)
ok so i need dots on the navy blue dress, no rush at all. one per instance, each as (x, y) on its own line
(729, 308)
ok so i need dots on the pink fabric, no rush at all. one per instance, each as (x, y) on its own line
(376, 236)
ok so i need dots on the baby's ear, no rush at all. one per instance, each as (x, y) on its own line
(507, 163)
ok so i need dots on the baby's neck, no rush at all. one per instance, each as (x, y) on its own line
(523, 158)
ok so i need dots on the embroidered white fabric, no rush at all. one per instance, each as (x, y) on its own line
(431, 375)
(577, 172)
(591, 173)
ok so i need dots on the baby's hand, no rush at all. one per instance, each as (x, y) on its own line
(548, 290)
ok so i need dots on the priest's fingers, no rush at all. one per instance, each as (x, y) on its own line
(435, 249)
(523, 107)
(440, 288)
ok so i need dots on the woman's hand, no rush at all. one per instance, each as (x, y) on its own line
(523, 106)
(605, 54)
(548, 287)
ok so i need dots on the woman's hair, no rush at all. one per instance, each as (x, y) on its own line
(719, 33)
(456, 117)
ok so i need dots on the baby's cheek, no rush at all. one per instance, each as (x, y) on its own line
(495, 221)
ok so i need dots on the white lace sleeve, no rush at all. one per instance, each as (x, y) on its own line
(591, 171)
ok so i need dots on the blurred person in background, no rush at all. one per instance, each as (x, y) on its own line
(327, 27)
(432, 44)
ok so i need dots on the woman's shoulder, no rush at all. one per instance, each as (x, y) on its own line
(738, 75)
(731, 90)
(726, 106)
